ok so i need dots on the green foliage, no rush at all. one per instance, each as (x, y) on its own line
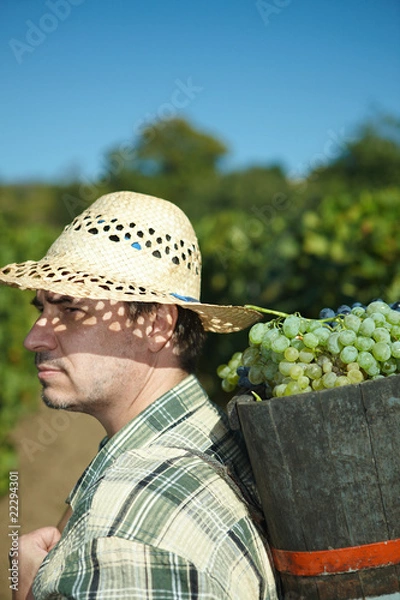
(19, 389)
(25, 204)
(370, 160)
(256, 189)
(266, 240)
(350, 248)
(245, 252)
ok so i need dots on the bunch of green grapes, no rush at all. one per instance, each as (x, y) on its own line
(292, 355)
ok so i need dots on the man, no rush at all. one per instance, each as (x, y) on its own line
(164, 509)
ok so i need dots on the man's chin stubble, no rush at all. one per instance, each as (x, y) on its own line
(58, 405)
(69, 406)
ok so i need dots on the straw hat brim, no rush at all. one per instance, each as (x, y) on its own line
(31, 275)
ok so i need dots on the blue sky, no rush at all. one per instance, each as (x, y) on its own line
(277, 80)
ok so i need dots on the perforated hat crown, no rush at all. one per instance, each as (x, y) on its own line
(128, 246)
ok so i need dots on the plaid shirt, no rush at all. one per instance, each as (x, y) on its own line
(153, 519)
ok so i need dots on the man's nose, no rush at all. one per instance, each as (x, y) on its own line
(41, 337)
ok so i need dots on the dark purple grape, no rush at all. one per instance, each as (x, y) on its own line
(327, 313)
(242, 371)
(344, 309)
(244, 382)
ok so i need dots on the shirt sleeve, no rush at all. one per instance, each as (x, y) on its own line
(111, 567)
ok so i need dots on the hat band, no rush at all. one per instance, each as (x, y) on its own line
(184, 298)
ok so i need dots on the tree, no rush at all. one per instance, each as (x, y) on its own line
(260, 188)
(170, 159)
(370, 160)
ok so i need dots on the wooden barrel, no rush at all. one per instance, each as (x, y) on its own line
(327, 467)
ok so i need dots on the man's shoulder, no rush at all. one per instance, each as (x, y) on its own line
(163, 465)
(163, 496)
(159, 482)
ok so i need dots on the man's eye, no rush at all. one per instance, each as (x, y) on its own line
(37, 306)
(72, 309)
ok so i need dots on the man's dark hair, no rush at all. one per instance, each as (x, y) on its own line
(189, 335)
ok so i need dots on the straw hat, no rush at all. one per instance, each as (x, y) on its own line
(128, 246)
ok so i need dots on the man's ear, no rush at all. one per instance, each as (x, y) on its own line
(162, 327)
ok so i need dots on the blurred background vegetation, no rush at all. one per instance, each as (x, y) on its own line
(268, 238)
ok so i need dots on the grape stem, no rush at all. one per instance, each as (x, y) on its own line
(256, 396)
(267, 311)
(277, 313)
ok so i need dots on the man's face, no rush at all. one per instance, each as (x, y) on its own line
(89, 353)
